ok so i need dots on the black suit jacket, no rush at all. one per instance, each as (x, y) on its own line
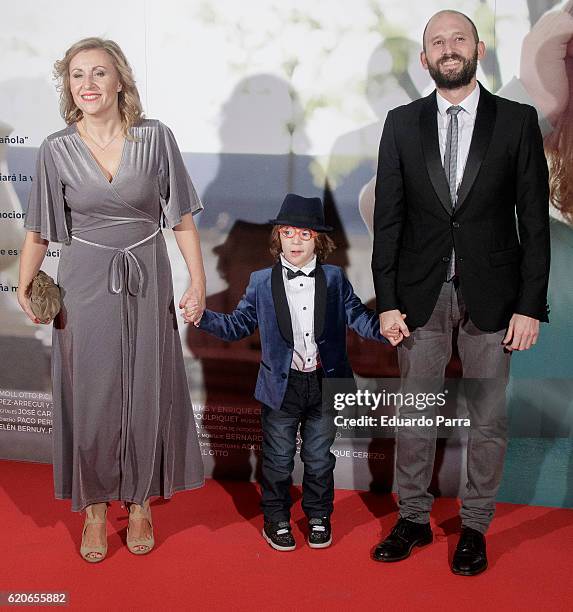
(500, 227)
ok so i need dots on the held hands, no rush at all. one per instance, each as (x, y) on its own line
(544, 55)
(193, 304)
(392, 326)
(522, 333)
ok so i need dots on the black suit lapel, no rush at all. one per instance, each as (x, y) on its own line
(319, 301)
(431, 148)
(281, 305)
(483, 129)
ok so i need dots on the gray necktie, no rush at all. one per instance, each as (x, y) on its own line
(451, 155)
(451, 168)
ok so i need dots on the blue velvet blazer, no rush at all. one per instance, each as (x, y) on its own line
(265, 305)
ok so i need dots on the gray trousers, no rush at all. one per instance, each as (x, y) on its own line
(424, 355)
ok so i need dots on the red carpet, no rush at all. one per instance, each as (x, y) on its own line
(210, 555)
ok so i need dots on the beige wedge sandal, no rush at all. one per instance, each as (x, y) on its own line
(93, 554)
(140, 546)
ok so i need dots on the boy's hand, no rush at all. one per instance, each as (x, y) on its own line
(392, 326)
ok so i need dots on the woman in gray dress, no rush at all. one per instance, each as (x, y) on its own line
(106, 184)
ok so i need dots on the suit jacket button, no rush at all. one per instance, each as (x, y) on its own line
(283, 375)
(445, 259)
(455, 224)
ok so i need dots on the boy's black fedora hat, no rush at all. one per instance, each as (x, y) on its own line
(302, 212)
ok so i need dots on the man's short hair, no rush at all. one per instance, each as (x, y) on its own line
(451, 12)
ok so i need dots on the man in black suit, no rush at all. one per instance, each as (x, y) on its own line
(461, 242)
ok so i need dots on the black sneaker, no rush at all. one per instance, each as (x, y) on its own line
(279, 535)
(319, 532)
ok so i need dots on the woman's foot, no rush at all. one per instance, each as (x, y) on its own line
(140, 538)
(94, 536)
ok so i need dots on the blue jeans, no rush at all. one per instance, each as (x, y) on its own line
(302, 405)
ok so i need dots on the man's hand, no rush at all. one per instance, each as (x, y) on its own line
(392, 326)
(543, 71)
(522, 333)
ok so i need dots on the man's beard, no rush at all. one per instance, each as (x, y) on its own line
(454, 80)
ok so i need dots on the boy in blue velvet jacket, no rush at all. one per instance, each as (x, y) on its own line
(302, 308)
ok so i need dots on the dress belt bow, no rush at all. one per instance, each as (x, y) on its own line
(124, 265)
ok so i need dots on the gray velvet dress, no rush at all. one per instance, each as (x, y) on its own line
(123, 421)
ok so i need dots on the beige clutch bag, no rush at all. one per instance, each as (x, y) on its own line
(45, 297)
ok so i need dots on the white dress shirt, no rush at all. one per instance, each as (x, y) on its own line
(300, 297)
(466, 121)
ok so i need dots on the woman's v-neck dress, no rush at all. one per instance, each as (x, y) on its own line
(123, 421)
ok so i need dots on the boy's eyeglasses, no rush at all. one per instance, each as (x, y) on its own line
(288, 231)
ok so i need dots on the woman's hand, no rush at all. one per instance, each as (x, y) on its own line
(193, 303)
(193, 300)
(24, 301)
(31, 258)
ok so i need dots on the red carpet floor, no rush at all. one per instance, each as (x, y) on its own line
(210, 555)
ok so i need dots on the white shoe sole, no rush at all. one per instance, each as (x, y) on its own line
(325, 545)
(276, 546)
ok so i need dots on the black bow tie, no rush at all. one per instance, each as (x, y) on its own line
(292, 274)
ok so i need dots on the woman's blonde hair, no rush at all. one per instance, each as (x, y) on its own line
(128, 98)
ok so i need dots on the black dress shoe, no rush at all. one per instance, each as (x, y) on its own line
(470, 557)
(402, 539)
(319, 532)
(279, 535)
